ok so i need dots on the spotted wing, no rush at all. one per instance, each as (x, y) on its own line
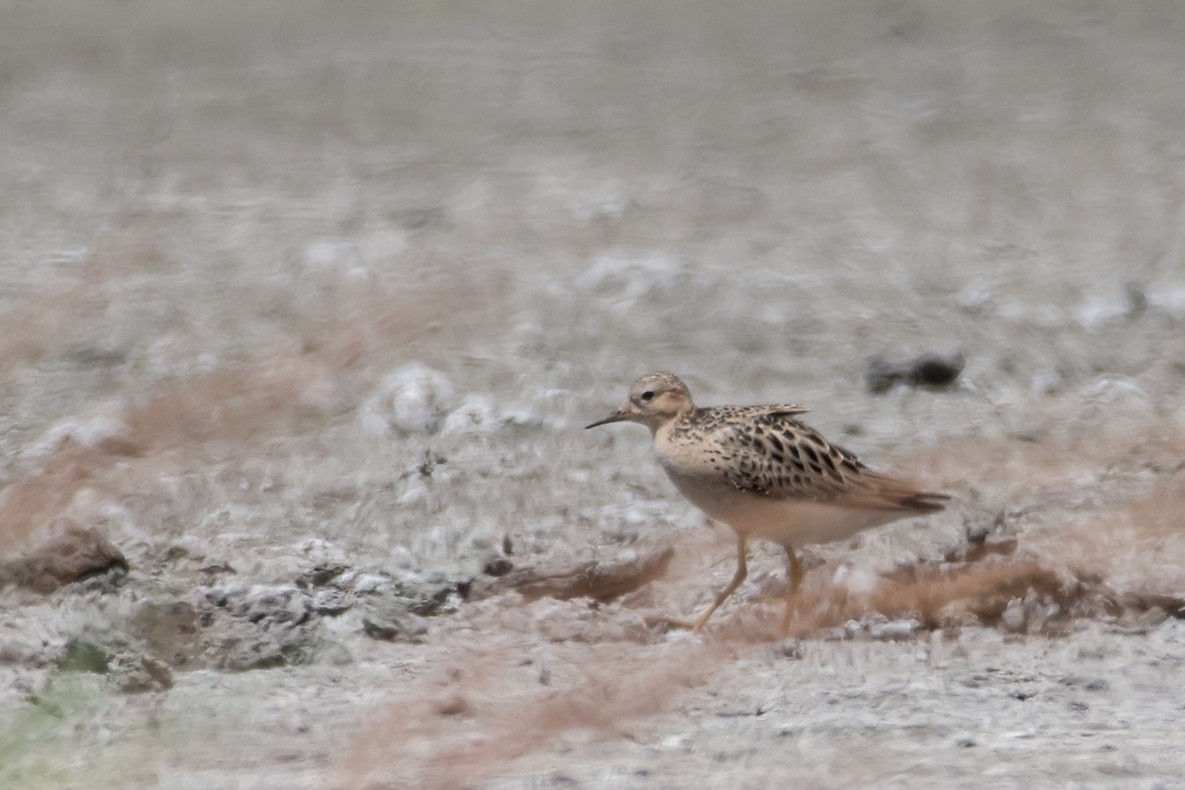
(774, 455)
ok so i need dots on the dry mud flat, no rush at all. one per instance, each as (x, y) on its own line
(301, 314)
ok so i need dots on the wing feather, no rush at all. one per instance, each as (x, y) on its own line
(774, 455)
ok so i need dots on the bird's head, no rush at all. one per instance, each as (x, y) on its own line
(654, 400)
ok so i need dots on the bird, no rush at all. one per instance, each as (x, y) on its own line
(766, 474)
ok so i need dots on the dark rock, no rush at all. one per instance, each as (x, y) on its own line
(383, 631)
(331, 603)
(389, 622)
(320, 575)
(428, 604)
(497, 566)
(267, 606)
(937, 370)
(257, 627)
(72, 556)
(930, 370)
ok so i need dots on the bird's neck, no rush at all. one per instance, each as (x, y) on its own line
(670, 424)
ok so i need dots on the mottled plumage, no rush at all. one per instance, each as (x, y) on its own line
(764, 473)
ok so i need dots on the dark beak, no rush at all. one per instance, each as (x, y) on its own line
(616, 416)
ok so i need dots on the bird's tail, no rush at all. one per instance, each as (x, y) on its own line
(903, 495)
(925, 501)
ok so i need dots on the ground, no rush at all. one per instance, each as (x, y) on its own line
(303, 308)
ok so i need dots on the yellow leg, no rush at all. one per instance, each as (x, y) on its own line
(796, 574)
(738, 577)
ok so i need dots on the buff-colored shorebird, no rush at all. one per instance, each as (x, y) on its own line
(764, 473)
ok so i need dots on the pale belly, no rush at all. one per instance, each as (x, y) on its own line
(791, 523)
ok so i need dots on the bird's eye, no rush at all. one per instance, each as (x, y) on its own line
(648, 396)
